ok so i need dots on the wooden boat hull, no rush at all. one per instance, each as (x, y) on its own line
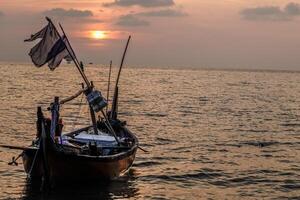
(61, 165)
(66, 162)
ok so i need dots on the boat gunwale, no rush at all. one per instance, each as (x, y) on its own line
(100, 158)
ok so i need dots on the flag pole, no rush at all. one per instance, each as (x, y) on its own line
(70, 53)
(73, 56)
(89, 84)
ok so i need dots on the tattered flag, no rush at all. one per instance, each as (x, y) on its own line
(61, 46)
(50, 49)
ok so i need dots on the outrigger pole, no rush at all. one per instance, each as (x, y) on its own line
(115, 98)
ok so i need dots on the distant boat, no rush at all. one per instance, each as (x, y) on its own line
(104, 150)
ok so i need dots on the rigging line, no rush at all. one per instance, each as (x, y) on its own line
(34, 159)
(107, 123)
(79, 111)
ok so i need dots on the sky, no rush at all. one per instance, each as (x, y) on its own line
(255, 34)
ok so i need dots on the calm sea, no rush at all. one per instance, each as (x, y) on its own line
(210, 134)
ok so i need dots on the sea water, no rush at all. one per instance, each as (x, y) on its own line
(217, 134)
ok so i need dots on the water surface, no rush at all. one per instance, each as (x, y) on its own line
(211, 134)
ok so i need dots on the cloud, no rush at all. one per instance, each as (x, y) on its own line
(60, 12)
(1, 14)
(142, 3)
(164, 13)
(90, 20)
(131, 20)
(292, 9)
(134, 19)
(269, 13)
(272, 13)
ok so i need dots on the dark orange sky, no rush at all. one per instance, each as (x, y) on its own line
(182, 33)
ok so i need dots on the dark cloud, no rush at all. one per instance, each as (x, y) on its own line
(164, 13)
(272, 13)
(142, 3)
(60, 12)
(292, 9)
(131, 20)
(1, 14)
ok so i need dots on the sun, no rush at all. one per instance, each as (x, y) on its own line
(98, 34)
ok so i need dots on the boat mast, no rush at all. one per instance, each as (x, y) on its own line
(108, 85)
(89, 84)
(114, 108)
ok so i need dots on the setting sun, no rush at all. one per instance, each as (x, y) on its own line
(98, 34)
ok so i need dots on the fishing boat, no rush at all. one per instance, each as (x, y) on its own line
(103, 150)
(80, 154)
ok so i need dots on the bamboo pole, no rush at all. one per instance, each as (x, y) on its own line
(72, 53)
(110, 128)
(114, 104)
(122, 61)
(69, 51)
(108, 86)
(18, 147)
